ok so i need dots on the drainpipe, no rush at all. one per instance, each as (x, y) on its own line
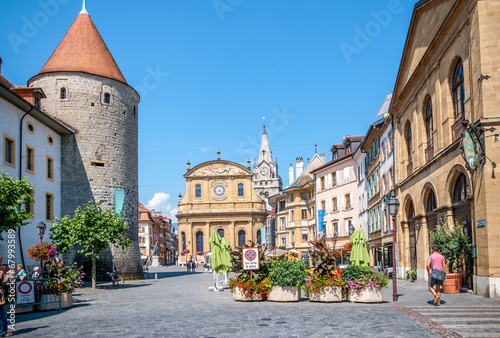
(20, 173)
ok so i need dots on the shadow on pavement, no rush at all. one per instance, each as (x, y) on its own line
(29, 330)
(120, 286)
(172, 274)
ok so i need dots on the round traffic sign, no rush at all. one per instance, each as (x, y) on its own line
(250, 255)
(24, 287)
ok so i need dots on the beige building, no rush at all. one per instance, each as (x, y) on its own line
(444, 88)
(219, 196)
(295, 208)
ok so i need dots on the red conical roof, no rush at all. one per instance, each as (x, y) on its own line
(83, 50)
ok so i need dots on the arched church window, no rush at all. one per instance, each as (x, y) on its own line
(458, 90)
(62, 93)
(240, 190)
(460, 191)
(199, 241)
(107, 98)
(183, 239)
(221, 233)
(259, 237)
(198, 190)
(241, 238)
(431, 202)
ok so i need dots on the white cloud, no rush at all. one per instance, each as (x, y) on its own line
(160, 202)
(205, 149)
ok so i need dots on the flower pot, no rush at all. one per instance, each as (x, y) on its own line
(49, 306)
(328, 295)
(284, 294)
(66, 300)
(453, 282)
(367, 294)
(239, 295)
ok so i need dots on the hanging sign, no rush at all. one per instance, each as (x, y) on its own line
(25, 292)
(251, 259)
(469, 149)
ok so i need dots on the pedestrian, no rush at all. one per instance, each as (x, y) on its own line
(3, 315)
(436, 264)
(21, 273)
(193, 266)
(36, 273)
(188, 266)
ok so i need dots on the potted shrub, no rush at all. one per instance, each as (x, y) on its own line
(69, 279)
(325, 281)
(411, 275)
(249, 285)
(363, 284)
(287, 274)
(453, 244)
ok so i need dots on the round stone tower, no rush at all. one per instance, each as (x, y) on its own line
(86, 89)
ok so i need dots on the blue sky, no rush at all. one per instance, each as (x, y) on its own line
(208, 71)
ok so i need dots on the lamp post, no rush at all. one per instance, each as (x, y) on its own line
(393, 204)
(41, 231)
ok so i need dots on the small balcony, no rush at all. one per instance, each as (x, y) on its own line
(429, 152)
(458, 128)
(409, 168)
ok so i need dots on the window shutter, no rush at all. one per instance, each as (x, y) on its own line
(338, 207)
(350, 199)
(346, 228)
(342, 203)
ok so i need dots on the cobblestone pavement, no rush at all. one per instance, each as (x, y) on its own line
(180, 305)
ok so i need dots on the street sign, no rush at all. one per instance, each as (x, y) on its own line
(481, 223)
(25, 292)
(469, 150)
(251, 259)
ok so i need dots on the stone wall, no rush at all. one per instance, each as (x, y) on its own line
(102, 155)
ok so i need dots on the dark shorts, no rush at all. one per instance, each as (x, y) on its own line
(433, 281)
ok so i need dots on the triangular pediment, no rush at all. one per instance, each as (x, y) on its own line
(425, 22)
(218, 168)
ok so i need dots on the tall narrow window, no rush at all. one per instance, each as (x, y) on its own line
(460, 191)
(9, 151)
(408, 140)
(49, 207)
(428, 121)
(50, 168)
(30, 207)
(240, 189)
(62, 94)
(199, 241)
(431, 202)
(259, 237)
(30, 159)
(458, 90)
(303, 196)
(241, 238)
(107, 98)
(304, 214)
(348, 201)
(183, 240)
(198, 190)
(221, 233)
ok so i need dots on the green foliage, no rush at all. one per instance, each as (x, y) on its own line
(291, 272)
(13, 195)
(237, 260)
(412, 274)
(323, 258)
(452, 242)
(92, 228)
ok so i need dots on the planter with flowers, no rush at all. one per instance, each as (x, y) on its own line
(249, 285)
(325, 282)
(69, 278)
(287, 274)
(363, 284)
(42, 251)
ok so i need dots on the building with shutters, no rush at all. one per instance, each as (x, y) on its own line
(337, 192)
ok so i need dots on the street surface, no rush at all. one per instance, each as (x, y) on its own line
(180, 305)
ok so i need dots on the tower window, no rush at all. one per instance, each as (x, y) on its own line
(63, 94)
(50, 168)
(107, 98)
(240, 190)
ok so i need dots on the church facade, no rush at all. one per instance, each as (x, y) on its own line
(219, 196)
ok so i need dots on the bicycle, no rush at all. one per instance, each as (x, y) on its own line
(113, 276)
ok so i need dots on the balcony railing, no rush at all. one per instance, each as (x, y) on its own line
(457, 128)
(429, 152)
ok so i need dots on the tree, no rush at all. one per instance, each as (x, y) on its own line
(13, 194)
(93, 228)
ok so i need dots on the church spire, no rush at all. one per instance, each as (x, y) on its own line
(84, 8)
(265, 150)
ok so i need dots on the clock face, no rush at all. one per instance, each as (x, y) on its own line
(264, 171)
(219, 190)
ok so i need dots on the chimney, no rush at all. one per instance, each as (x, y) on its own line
(323, 157)
(290, 175)
(299, 166)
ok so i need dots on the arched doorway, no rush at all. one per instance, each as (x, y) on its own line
(410, 214)
(462, 214)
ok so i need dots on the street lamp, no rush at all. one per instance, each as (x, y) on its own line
(393, 205)
(41, 230)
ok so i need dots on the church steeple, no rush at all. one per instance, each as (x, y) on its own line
(265, 154)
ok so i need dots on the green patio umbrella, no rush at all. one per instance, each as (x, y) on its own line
(359, 252)
(225, 257)
(215, 247)
(221, 253)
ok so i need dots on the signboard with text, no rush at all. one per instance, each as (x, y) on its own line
(251, 259)
(25, 292)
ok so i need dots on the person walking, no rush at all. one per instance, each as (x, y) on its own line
(188, 266)
(3, 315)
(436, 261)
(193, 266)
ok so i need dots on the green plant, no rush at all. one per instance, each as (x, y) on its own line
(412, 274)
(288, 272)
(93, 229)
(324, 259)
(257, 275)
(356, 277)
(14, 193)
(452, 242)
(250, 286)
(316, 283)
